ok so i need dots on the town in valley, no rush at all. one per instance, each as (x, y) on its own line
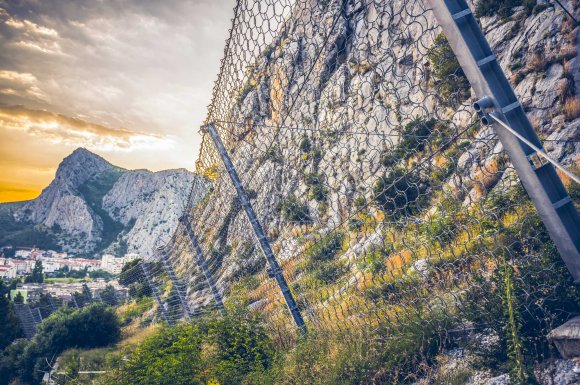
(62, 274)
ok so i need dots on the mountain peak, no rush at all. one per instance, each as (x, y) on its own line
(80, 166)
(82, 150)
(82, 153)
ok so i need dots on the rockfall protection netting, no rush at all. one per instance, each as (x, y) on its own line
(41, 305)
(386, 202)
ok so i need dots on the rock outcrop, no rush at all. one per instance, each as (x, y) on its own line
(92, 206)
(321, 73)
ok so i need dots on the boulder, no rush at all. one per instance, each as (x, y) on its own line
(567, 338)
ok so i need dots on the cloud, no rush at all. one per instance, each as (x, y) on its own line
(60, 129)
(21, 84)
(123, 78)
(30, 35)
(31, 29)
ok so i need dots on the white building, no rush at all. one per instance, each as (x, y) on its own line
(7, 272)
(50, 266)
(114, 265)
(22, 267)
(22, 253)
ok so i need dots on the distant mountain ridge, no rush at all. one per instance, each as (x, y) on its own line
(92, 207)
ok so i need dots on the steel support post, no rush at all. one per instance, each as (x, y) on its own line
(154, 291)
(201, 262)
(488, 80)
(74, 301)
(52, 306)
(258, 230)
(176, 284)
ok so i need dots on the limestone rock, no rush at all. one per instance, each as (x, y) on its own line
(559, 372)
(566, 337)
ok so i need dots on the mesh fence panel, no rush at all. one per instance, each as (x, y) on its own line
(387, 203)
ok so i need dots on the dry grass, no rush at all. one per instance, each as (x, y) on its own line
(536, 122)
(134, 334)
(566, 69)
(537, 62)
(564, 89)
(572, 108)
(568, 51)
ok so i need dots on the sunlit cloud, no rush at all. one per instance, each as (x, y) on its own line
(127, 79)
(21, 84)
(31, 28)
(34, 36)
(61, 129)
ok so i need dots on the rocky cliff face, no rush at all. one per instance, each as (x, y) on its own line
(60, 203)
(93, 206)
(151, 202)
(336, 76)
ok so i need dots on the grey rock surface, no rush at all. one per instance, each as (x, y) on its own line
(140, 205)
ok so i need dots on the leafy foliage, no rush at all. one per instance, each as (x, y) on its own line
(10, 329)
(93, 326)
(449, 79)
(399, 193)
(326, 247)
(502, 8)
(229, 350)
(305, 145)
(109, 296)
(293, 210)
(36, 276)
(133, 277)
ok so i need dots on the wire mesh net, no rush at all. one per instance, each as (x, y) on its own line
(387, 203)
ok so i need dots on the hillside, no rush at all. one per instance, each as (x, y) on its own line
(330, 114)
(388, 205)
(396, 221)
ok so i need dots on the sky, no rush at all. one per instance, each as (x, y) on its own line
(129, 80)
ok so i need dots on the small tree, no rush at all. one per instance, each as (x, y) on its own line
(450, 80)
(18, 298)
(109, 295)
(10, 329)
(293, 210)
(36, 276)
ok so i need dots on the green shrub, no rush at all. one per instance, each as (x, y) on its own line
(374, 260)
(415, 135)
(305, 145)
(10, 329)
(227, 350)
(293, 210)
(503, 8)
(93, 326)
(328, 272)
(399, 193)
(318, 192)
(450, 80)
(136, 309)
(325, 248)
